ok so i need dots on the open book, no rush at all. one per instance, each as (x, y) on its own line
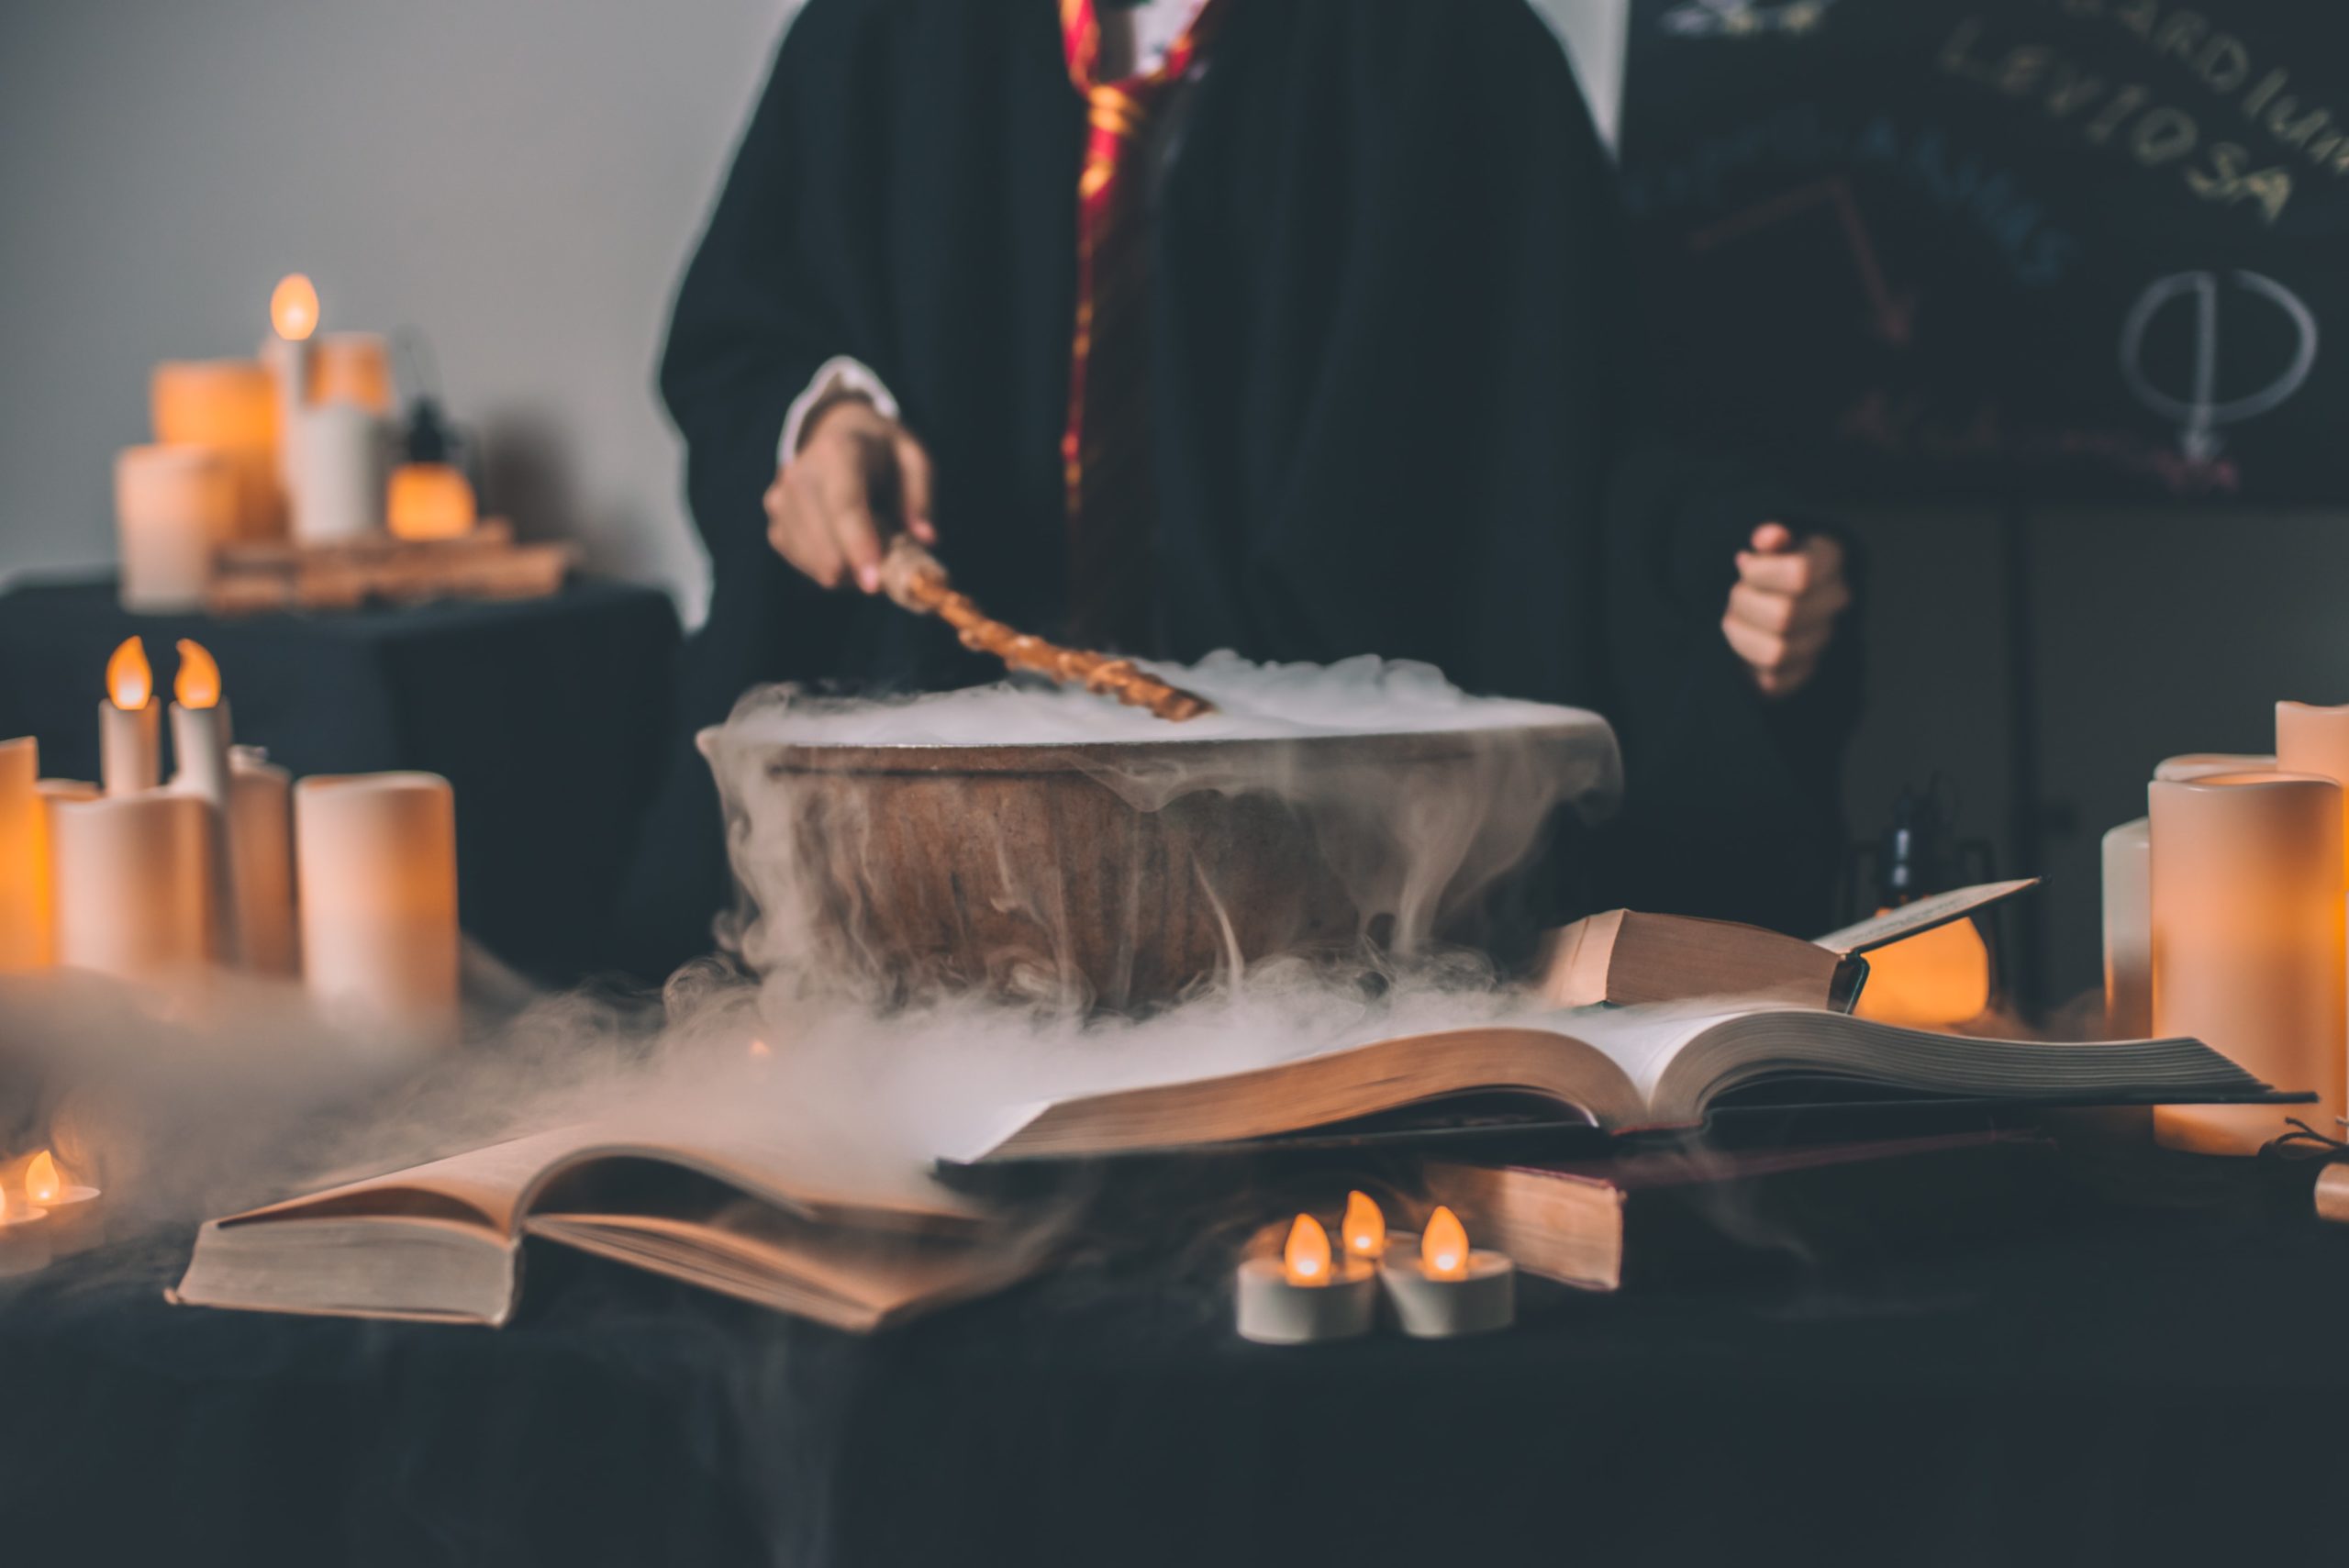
(443, 1242)
(1625, 1070)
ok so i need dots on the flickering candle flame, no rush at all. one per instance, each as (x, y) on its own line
(197, 685)
(294, 307)
(43, 1183)
(1306, 1258)
(130, 680)
(761, 1048)
(1443, 1247)
(1366, 1227)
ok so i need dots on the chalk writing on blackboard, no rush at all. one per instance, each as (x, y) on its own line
(2198, 409)
(1891, 315)
(1744, 18)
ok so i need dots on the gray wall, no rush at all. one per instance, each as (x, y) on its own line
(520, 178)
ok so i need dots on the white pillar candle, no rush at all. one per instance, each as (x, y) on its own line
(260, 847)
(2250, 950)
(133, 884)
(340, 473)
(375, 861)
(2127, 898)
(130, 742)
(2128, 931)
(175, 506)
(24, 860)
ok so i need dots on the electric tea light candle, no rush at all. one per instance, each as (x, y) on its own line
(1449, 1288)
(1304, 1295)
(76, 1219)
(1364, 1228)
(24, 1236)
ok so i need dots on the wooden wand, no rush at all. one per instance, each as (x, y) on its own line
(912, 576)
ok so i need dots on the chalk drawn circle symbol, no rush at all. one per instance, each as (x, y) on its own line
(2201, 411)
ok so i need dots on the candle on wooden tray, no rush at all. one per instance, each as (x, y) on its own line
(229, 406)
(76, 1215)
(131, 724)
(24, 859)
(133, 884)
(1304, 1295)
(175, 507)
(340, 473)
(293, 318)
(2250, 952)
(1444, 1287)
(353, 368)
(375, 860)
(24, 1236)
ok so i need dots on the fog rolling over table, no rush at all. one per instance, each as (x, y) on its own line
(1628, 1070)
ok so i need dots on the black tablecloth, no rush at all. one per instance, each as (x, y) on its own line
(2154, 1386)
(547, 714)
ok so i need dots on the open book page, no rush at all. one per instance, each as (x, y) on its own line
(1645, 1039)
(820, 1176)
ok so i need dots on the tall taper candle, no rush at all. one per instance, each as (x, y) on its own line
(130, 723)
(200, 741)
(2251, 953)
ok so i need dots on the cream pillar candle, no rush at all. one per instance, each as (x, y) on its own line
(340, 473)
(354, 368)
(130, 742)
(2250, 950)
(175, 506)
(200, 741)
(2199, 764)
(2128, 931)
(231, 407)
(2127, 898)
(260, 847)
(24, 859)
(375, 861)
(133, 884)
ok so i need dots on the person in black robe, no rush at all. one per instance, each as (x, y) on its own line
(1393, 381)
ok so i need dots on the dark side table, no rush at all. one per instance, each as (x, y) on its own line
(547, 714)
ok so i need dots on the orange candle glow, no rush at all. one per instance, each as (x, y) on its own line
(1364, 1228)
(1443, 1247)
(24, 859)
(230, 407)
(429, 500)
(352, 367)
(1306, 1258)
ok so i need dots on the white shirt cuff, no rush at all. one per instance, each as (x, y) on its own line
(840, 376)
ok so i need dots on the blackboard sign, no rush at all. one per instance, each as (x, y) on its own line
(2052, 248)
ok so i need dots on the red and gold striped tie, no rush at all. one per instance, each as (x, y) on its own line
(1105, 451)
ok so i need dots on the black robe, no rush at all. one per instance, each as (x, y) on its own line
(1394, 403)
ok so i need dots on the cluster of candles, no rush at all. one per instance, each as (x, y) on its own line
(2224, 919)
(296, 442)
(348, 882)
(1435, 1285)
(50, 1216)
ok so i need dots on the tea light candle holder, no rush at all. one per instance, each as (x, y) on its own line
(1448, 1288)
(1306, 1297)
(24, 1237)
(76, 1216)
